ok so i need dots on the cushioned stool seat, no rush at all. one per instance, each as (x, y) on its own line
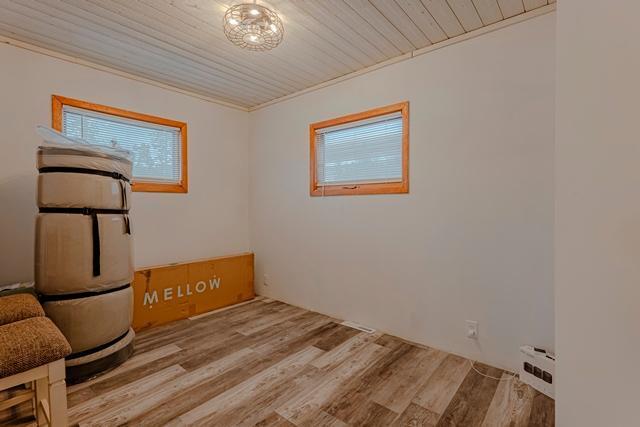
(19, 307)
(30, 343)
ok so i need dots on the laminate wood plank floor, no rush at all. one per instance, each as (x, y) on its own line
(266, 363)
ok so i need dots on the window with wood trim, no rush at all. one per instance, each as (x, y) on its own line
(363, 153)
(158, 146)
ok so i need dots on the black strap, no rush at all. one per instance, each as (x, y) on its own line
(83, 211)
(123, 194)
(95, 229)
(127, 224)
(66, 169)
(65, 297)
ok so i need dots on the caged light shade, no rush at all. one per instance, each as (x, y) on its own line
(253, 26)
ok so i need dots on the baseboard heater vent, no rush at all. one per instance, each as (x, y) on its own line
(538, 368)
(357, 326)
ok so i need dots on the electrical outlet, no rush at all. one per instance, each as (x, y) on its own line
(265, 280)
(472, 329)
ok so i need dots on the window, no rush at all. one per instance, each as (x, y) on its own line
(364, 153)
(158, 146)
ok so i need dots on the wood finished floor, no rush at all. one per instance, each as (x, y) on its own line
(266, 363)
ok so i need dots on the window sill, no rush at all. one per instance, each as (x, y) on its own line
(360, 189)
(152, 187)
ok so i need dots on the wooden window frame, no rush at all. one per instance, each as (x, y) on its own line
(58, 103)
(362, 189)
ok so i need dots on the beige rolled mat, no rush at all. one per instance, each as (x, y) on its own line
(92, 321)
(64, 253)
(78, 190)
(102, 353)
(80, 157)
(75, 177)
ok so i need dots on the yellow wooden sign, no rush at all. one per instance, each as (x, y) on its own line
(177, 291)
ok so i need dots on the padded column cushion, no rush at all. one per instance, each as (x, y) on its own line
(64, 253)
(77, 190)
(81, 156)
(30, 343)
(78, 185)
(19, 307)
(103, 353)
(85, 367)
(92, 321)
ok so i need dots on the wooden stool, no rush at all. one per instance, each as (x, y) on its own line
(33, 351)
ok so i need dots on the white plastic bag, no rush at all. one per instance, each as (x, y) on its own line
(54, 139)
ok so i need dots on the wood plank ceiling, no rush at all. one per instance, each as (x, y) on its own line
(181, 42)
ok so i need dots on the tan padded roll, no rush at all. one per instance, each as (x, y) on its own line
(92, 321)
(83, 255)
(75, 158)
(103, 353)
(77, 190)
(64, 253)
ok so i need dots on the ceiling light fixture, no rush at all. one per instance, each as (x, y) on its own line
(253, 26)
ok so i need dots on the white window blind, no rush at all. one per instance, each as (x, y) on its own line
(366, 151)
(156, 149)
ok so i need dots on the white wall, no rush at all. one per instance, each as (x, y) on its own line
(472, 240)
(211, 220)
(598, 213)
